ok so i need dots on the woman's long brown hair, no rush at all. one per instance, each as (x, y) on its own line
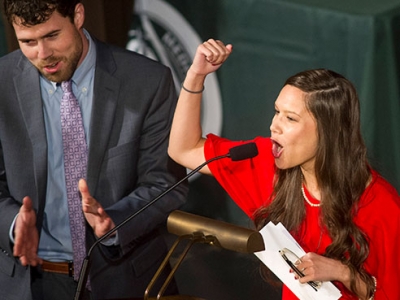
(341, 170)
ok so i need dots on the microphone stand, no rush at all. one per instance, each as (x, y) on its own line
(86, 262)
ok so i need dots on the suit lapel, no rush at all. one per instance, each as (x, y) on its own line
(30, 101)
(106, 90)
(105, 99)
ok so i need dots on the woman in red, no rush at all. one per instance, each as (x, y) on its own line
(312, 175)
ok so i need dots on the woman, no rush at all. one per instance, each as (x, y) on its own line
(312, 175)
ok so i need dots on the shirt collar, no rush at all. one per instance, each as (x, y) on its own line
(88, 63)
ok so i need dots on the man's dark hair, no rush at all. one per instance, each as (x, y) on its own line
(34, 12)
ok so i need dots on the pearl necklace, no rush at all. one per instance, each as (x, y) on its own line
(308, 201)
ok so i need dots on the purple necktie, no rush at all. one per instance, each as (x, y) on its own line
(75, 161)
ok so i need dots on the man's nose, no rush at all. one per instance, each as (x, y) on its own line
(44, 51)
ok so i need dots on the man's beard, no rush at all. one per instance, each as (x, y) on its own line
(70, 65)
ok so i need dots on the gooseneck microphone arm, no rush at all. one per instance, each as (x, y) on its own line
(237, 153)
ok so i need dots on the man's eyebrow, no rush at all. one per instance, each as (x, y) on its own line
(51, 33)
(42, 37)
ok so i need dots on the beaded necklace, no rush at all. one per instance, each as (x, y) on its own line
(308, 201)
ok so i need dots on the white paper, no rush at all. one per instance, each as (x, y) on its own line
(276, 237)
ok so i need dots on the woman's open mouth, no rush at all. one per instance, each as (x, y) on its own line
(277, 149)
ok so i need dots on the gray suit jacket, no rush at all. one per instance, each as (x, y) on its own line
(128, 165)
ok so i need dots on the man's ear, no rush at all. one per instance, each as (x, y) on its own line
(79, 17)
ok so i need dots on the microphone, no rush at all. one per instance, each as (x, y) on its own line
(237, 153)
(244, 151)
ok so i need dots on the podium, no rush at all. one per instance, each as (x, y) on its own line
(194, 229)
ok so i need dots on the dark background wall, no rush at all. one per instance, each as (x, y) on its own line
(273, 40)
(208, 272)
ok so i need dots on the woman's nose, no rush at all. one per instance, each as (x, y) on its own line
(274, 125)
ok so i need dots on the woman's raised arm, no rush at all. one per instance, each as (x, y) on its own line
(186, 144)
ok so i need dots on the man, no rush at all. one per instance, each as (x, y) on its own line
(126, 104)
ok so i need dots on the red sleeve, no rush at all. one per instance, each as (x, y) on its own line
(379, 218)
(248, 182)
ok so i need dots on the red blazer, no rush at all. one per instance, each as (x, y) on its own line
(249, 183)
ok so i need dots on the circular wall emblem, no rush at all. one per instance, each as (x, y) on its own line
(162, 33)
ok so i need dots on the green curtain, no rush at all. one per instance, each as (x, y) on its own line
(274, 39)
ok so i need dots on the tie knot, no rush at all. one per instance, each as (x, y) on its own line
(66, 86)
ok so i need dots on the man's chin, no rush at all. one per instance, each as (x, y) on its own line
(56, 77)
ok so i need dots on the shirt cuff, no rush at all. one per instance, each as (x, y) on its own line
(11, 232)
(111, 241)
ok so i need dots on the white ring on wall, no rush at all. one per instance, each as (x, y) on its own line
(166, 16)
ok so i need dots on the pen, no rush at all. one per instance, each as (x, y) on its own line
(313, 284)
